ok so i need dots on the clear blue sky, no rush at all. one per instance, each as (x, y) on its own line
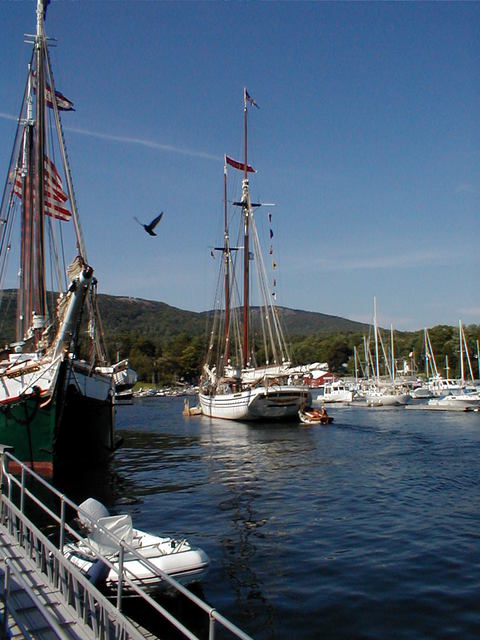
(367, 139)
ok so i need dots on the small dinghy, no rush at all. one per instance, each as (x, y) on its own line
(177, 558)
(310, 415)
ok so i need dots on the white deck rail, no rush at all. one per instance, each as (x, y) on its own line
(101, 617)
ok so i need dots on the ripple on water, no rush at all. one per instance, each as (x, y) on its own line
(365, 529)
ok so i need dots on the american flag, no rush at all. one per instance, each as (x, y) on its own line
(54, 195)
(249, 99)
(63, 103)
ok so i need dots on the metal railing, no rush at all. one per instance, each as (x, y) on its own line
(13, 575)
(105, 619)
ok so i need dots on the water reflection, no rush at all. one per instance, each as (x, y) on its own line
(312, 532)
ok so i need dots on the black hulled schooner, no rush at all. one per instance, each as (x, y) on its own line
(56, 385)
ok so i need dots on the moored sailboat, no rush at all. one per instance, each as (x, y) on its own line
(235, 385)
(56, 385)
(381, 393)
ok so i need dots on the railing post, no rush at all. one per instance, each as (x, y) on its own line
(61, 541)
(120, 576)
(6, 594)
(4, 449)
(211, 626)
(22, 491)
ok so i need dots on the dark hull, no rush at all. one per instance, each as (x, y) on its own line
(29, 429)
(70, 431)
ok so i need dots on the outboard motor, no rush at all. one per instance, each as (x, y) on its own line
(90, 511)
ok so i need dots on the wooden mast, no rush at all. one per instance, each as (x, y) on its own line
(38, 286)
(226, 257)
(24, 302)
(246, 215)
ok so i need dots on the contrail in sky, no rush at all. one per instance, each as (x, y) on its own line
(138, 141)
(144, 143)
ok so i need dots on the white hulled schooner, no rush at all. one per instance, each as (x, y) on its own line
(235, 385)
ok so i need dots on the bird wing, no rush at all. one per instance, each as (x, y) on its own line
(137, 220)
(155, 221)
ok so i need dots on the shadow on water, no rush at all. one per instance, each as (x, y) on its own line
(177, 605)
(107, 485)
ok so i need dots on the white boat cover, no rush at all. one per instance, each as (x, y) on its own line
(90, 511)
(102, 540)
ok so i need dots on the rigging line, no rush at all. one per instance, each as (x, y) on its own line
(236, 301)
(261, 276)
(53, 225)
(6, 243)
(100, 342)
(68, 175)
(16, 146)
(212, 352)
(386, 363)
(280, 338)
(261, 286)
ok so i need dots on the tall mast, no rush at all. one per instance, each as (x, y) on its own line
(478, 358)
(427, 355)
(246, 219)
(24, 300)
(226, 257)
(39, 295)
(376, 336)
(462, 367)
(392, 346)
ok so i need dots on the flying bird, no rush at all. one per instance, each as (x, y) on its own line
(149, 228)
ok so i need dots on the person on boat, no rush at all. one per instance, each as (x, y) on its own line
(323, 412)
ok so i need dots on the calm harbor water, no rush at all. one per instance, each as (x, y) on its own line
(366, 528)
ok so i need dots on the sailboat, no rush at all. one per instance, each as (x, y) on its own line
(382, 393)
(235, 384)
(56, 384)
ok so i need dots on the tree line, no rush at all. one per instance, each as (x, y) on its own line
(179, 357)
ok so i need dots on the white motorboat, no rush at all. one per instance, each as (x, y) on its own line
(421, 393)
(386, 397)
(456, 402)
(335, 391)
(145, 556)
(445, 386)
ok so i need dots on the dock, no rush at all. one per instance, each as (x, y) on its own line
(427, 407)
(43, 596)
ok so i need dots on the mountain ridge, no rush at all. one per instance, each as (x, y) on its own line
(154, 318)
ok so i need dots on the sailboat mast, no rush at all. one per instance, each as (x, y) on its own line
(478, 358)
(427, 354)
(392, 346)
(226, 257)
(246, 216)
(24, 301)
(462, 367)
(39, 295)
(376, 337)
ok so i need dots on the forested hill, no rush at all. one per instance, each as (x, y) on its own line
(152, 319)
(167, 344)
